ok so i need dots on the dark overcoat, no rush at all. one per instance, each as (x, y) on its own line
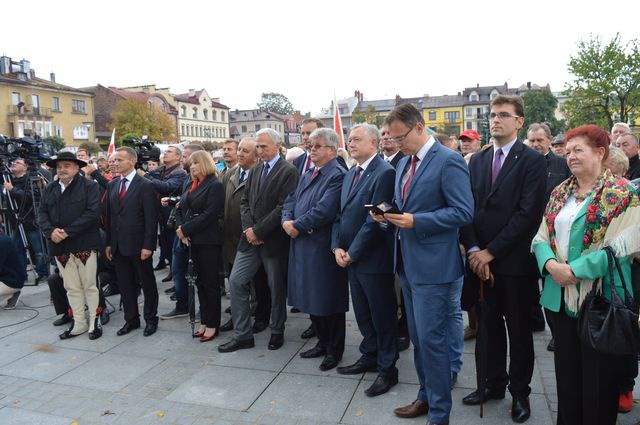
(317, 285)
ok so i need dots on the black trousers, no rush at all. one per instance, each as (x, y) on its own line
(130, 270)
(587, 381)
(58, 293)
(205, 262)
(331, 332)
(509, 301)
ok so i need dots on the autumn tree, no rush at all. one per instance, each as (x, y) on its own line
(369, 115)
(606, 86)
(134, 117)
(276, 102)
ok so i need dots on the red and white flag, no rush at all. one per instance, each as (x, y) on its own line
(112, 144)
(337, 123)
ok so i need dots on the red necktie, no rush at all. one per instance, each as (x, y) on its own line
(123, 190)
(308, 163)
(405, 188)
(315, 173)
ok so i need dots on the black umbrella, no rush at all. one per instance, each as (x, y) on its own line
(191, 289)
(482, 342)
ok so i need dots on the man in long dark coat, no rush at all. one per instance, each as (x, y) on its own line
(317, 285)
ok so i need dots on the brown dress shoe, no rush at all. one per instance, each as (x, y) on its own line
(413, 410)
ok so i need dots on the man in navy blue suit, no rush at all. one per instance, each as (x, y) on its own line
(433, 191)
(365, 248)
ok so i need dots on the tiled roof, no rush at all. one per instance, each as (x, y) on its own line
(253, 115)
(185, 98)
(12, 78)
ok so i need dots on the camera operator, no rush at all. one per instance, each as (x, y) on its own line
(12, 273)
(68, 217)
(20, 189)
(167, 180)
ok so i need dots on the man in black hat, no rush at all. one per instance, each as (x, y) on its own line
(68, 218)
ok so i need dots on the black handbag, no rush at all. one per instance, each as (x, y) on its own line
(610, 326)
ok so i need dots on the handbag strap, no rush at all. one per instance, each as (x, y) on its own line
(613, 262)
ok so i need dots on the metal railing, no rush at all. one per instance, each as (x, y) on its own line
(28, 110)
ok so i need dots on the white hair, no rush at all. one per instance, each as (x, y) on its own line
(623, 125)
(273, 135)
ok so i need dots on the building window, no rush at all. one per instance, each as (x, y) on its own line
(222, 116)
(182, 132)
(269, 125)
(432, 115)
(469, 125)
(452, 116)
(184, 110)
(244, 128)
(257, 127)
(58, 130)
(78, 107)
(205, 114)
(15, 98)
(35, 100)
(494, 94)
(214, 115)
(195, 112)
(47, 129)
(469, 112)
(56, 104)
(81, 132)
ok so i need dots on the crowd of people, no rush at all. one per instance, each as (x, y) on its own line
(405, 225)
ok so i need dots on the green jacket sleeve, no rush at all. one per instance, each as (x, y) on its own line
(591, 266)
(543, 253)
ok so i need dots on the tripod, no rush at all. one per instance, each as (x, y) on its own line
(13, 213)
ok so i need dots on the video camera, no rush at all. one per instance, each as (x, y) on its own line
(31, 149)
(145, 149)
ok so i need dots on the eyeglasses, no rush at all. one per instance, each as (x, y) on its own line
(502, 116)
(400, 138)
(320, 146)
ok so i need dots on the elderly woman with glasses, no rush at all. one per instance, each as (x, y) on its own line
(587, 212)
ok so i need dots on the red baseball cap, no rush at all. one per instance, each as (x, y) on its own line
(470, 134)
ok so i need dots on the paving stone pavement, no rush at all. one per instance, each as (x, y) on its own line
(170, 378)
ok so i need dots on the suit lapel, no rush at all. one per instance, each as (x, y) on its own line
(348, 181)
(423, 166)
(366, 174)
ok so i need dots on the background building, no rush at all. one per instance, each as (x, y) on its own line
(245, 123)
(201, 118)
(32, 104)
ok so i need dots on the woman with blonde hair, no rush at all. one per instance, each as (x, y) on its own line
(198, 219)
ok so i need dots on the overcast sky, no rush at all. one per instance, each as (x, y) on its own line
(308, 50)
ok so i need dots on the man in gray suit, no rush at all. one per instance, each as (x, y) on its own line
(262, 242)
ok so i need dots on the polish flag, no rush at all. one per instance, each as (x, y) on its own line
(337, 124)
(112, 144)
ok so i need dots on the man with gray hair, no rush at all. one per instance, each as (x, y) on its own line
(317, 285)
(628, 143)
(365, 249)
(262, 242)
(618, 130)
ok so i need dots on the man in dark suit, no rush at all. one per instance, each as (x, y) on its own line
(540, 138)
(303, 163)
(508, 186)
(390, 152)
(433, 191)
(262, 242)
(316, 284)
(365, 248)
(392, 155)
(131, 223)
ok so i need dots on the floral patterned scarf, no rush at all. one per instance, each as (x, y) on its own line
(612, 219)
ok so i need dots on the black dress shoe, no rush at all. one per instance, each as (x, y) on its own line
(314, 352)
(330, 361)
(62, 320)
(236, 344)
(276, 341)
(520, 409)
(474, 398)
(308, 333)
(259, 327)
(68, 335)
(294, 310)
(171, 290)
(150, 328)
(228, 326)
(161, 265)
(105, 317)
(403, 343)
(168, 278)
(357, 368)
(127, 327)
(381, 385)
(110, 290)
(173, 297)
(228, 310)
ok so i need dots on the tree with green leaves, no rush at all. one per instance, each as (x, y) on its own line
(540, 106)
(276, 102)
(134, 117)
(57, 142)
(606, 86)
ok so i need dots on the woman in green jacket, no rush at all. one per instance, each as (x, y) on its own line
(586, 212)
